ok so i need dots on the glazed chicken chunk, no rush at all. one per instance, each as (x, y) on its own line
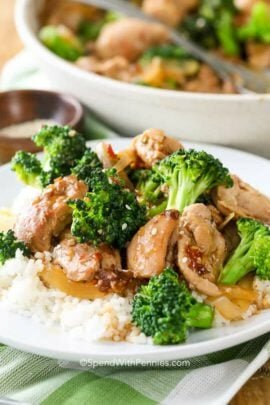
(81, 261)
(129, 38)
(117, 68)
(243, 201)
(201, 249)
(169, 11)
(154, 145)
(152, 248)
(48, 215)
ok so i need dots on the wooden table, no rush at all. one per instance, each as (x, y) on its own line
(257, 389)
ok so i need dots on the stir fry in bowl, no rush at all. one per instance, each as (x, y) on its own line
(145, 244)
(139, 52)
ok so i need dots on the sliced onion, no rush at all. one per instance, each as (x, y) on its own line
(126, 158)
(106, 155)
(236, 292)
(54, 277)
(227, 308)
(226, 221)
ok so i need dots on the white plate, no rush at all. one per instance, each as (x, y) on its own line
(25, 334)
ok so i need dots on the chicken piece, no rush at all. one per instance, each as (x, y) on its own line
(171, 12)
(48, 215)
(117, 68)
(154, 145)
(242, 200)
(129, 38)
(82, 261)
(151, 249)
(208, 82)
(216, 215)
(258, 55)
(201, 249)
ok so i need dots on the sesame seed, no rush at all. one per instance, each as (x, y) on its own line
(127, 207)
(154, 231)
(185, 259)
(100, 231)
(72, 133)
(124, 226)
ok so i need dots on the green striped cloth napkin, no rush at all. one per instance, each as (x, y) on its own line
(31, 379)
(211, 379)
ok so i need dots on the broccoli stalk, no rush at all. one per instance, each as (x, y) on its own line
(253, 235)
(9, 245)
(109, 214)
(28, 168)
(165, 309)
(188, 174)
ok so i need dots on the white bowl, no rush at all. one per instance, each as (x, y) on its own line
(241, 121)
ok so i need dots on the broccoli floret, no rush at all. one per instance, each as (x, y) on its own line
(109, 214)
(262, 257)
(148, 185)
(200, 31)
(63, 147)
(243, 259)
(27, 167)
(90, 30)
(86, 165)
(165, 309)
(258, 26)
(213, 25)
(61, 41)
(9, 244)
(166, 51)
(188, 174)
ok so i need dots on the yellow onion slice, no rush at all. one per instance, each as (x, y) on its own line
(54, 277)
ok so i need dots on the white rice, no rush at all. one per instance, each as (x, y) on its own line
(263, 289)
(22, 291)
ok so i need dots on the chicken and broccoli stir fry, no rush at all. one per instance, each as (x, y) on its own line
(139, 52)
(167, 226)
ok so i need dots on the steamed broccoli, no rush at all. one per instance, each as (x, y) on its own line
(61, 41)
(213, 25)
(258, 26)
(262, 257)
(90, 30)
(27, 167)
(148, 185)
(86, 165)
(165, 51)
(250, 254)
(188, 174)
(9, 244)
(63, 147)
(165, 309)
(109, 214)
